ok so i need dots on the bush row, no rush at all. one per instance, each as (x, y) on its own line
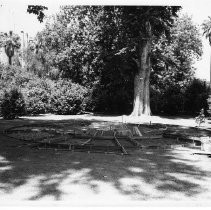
(174, 100)
(34, 95)
(28, 94)
(59, 97)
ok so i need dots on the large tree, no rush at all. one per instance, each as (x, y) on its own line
(172, 62)
(81, 40)
(137, 26)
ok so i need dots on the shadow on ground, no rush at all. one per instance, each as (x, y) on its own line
(28, 174)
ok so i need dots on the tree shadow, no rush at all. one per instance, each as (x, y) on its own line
(144, 175)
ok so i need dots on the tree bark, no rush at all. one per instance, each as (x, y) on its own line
(141, 104)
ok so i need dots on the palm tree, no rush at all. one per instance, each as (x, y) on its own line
(12, 42)
(206, 26)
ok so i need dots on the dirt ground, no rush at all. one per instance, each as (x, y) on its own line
(161, 177)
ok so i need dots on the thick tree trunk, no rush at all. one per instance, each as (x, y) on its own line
(141, 104)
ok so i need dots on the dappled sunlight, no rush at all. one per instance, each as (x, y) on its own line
(77, 105)
(136, 169)
(185, 177)
(26, 190)
(139, 177)
(89, 178)
(139, 188)
(3, 160)
(4, 168)
(4, 165)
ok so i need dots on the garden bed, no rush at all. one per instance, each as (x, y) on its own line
(105, 137)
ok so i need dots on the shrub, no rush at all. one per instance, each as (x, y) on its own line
(67, 97)
(59, 97)
(174, 100)
(42, 95)
(37, 94)
(22, 77)
(90, 102)
(111, 98)
(12, 104)
(54, 73)
(14, 75)
(173, 104)
(156, 101)
(196, 97)
(168, 101)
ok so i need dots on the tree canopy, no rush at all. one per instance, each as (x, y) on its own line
(14, 38)
(38, 10)
(100, 47)
(173, 58)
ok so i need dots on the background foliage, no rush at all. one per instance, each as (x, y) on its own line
(12, 103)
(78, 63)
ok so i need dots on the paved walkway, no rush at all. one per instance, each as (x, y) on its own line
(126, 119)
